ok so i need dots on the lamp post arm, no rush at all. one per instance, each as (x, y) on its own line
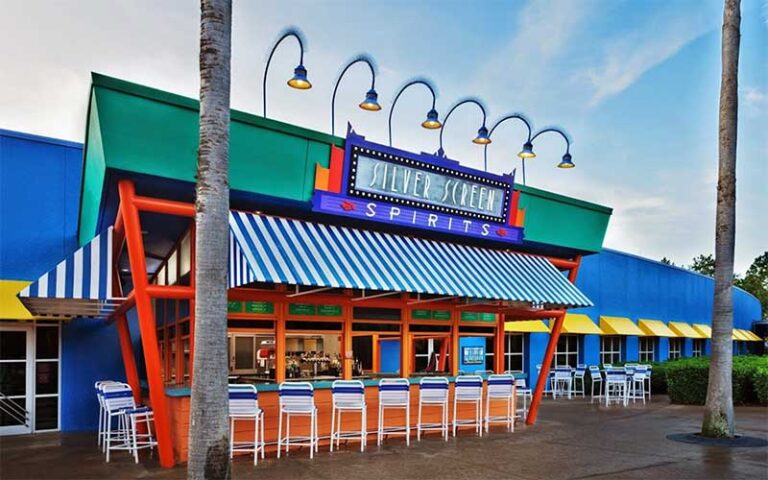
(445, 119)
(392, 108)
(556, 130)
(363, 59)
(517, 116)
(289, 33)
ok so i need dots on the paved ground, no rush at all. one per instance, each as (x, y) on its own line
(573, 440)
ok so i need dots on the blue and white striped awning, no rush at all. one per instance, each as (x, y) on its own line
(279, 250)
(79, 286)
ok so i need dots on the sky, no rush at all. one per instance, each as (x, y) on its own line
(635, 84)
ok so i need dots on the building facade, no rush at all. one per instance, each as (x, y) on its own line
(57, 196)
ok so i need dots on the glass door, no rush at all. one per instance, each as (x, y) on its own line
(16, 379)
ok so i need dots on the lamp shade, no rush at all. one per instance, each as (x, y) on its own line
(299, 80)
(432, 121)
(371, 101)
(527, 151)
(566, 162)
(482, 137)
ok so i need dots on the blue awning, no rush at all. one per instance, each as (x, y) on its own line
(79, 286)
(278, 250)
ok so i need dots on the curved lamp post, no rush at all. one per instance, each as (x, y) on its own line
(482, 137)
(299, 80)
(567, 161)
(522, 154)
(371, 102)
(431, 122)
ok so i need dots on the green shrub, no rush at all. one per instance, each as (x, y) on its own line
(760, 383)
(687, 380)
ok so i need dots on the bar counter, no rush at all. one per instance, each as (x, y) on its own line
(178, 401)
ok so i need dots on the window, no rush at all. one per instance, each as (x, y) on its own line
(610, 349)
(252, 356)
(567, 351)
(514, 351)
(698, 347)
(647, 349)
(675, 348)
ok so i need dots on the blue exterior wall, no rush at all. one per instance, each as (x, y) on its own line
(40, 181)
(39, 201)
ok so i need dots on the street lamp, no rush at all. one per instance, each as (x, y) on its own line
(515, 116)
(482, 137)
(299, 80)
(371, 101)
(431, 122)
(567, 160)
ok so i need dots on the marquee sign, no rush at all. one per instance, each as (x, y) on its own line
(387, 185)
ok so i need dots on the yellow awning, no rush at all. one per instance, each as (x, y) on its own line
(580, 324)
(740, 335)
(11, 307)
(655, 328)
(527, 326)
(618, 326)
(705, 330)
(753, 336)
(684, 330)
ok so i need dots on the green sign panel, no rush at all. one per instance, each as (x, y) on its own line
(317, 310)
(431, 315)
(259, 307)
(478, 317)
(234, 307)
(329, 310)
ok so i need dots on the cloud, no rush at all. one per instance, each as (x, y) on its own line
(627, 59)
(755, 97)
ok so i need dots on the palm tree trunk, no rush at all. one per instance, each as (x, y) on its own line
(718, 410)
(209, 417)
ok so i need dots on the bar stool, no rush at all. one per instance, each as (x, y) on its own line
(578, 380)
(433, 392)
(637, 382)
(348, 396)
(394, 393)
(99, 387)
(244, 405)
(468, 389)
(297, 399)
(596, 378)
(119, 405)
(615, 386)
(500, 388)
(563, 382)
(522, 390)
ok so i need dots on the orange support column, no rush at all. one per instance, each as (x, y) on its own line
(282, 309)
(129, 360)
(147, 326)
(346, 344)
(498, 353)
(375, 353)
(405, 344)
(455, 316)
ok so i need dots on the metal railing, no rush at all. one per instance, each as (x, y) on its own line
(14, 410)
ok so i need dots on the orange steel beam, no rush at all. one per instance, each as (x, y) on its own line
(159, 205)
(405, 343)
(147, 325)
(376, 361)
(175, 292)
(549, 354)
(126, 347)
(513, 315)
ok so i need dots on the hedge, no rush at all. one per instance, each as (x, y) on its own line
(687, 380)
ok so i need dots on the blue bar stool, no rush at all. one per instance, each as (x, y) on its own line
(244, 405)
(394, 394)
(500, 388)
(297, 399)
(348, 396)
(468, 389)
(120, 406)
(433, 392)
